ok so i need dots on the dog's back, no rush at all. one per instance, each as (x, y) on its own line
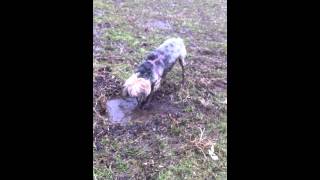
(174, 47)
(162, 59)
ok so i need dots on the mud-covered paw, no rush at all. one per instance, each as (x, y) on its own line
(146, 107)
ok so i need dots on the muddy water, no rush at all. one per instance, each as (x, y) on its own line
(124, 110)
(120, 110)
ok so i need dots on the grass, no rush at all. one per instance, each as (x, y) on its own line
(184, 169)
(121, 166)
(102, 173)
(122, 71)
(164, 146)
(124, 36)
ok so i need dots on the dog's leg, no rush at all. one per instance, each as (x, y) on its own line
(142, 104)
(139, 102)
(182, 64)
(149, 98)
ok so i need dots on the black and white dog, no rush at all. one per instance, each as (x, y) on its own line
(147, 77)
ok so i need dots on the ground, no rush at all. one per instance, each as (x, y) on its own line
(174, 141)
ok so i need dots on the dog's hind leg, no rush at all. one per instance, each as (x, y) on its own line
(182, 64)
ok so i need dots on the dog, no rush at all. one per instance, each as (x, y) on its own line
(149, 74)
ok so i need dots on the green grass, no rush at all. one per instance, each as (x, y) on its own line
(133, 152)
(121, 71)
(182, 170)
(121, 165)
(102, 173)
(124, 36)
(175, 130)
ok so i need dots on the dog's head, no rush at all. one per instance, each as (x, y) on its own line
(136, 87)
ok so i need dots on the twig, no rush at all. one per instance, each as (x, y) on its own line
(201, 142)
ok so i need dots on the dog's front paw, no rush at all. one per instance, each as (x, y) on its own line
(146, 107)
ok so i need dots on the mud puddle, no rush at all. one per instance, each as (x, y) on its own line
(121, 111)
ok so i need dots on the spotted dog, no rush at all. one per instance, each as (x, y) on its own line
(149, 74)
